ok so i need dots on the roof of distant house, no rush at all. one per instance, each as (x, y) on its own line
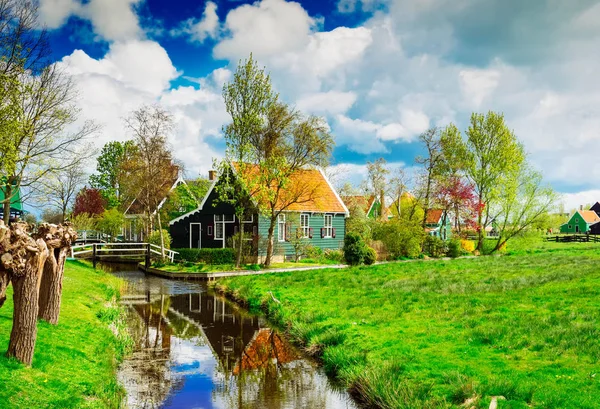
(589, 216)
(361, 201)
(434, 216)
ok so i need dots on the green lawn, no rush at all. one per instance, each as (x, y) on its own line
(75, 362)
(432, 334)
(214, 268)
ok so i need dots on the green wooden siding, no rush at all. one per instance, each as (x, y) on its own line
(576, 220)
(316, 222)
(375, 210)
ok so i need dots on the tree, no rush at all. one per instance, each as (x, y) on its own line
(397, 187)
(184, 198)
(89, 201)
(110, 171)
(111, 223)
(247, 98)
(58, 191)
(38, 105)
(376, 183)
(432, 168)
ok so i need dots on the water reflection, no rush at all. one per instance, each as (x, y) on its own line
(196, 350)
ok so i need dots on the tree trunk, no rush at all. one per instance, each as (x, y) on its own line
(4, 281)
(270, 242)
(25, 296)
(162, 239)
(7, 199)
(51, 285)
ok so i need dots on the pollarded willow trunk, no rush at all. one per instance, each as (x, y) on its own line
(25, 297)
(58, 239)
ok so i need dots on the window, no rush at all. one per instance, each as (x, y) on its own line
(218, 230)
(328, 225)
(248, 219)
(209, 230)
(229, 217)
(305, 225)
(218, 217)
(570, 227)
(281, 227)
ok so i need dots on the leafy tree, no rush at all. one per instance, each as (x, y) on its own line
(89, 201)
(110, 171)
(354, 249)
(184, 198)
(247, 99)
(83, 221)
(376, 183)
(111, 222)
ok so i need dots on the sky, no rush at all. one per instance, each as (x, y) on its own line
(380, 72)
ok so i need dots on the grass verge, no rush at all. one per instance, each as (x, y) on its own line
(438, 334)
(75, 362)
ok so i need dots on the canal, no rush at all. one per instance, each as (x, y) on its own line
(194, 349)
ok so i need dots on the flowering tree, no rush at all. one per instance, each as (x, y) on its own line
(89, 201)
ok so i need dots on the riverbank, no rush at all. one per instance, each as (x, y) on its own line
(75, 362)
(442, 333)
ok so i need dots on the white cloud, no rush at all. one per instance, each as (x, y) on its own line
(330, 102)
(112, 86)
(265, 28)
(478, 84)
(112, 20)
(200, 30)
(575, 200)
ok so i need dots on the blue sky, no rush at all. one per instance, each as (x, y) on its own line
(379, 71)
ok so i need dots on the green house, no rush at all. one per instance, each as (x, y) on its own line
(317, 216)
(438, 224)
(16, 204)
(370, 205)
(580, 222)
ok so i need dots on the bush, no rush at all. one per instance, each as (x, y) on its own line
(354, 249)
(468, 245)
(401, 238)
(154, 238)
(253, 267)
(334, 255)
(313, 252)
(434, 246)
(208, 256)
(454, 248)
(370, 256)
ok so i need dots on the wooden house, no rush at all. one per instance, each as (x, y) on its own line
(16, 204)
(321, 219)
(370, 205)
(438, 224)
(581, 222)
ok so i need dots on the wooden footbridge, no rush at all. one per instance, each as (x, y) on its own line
(121, 252)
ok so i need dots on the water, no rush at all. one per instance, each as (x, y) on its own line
(194, 349)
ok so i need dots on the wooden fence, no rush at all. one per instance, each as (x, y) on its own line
(120, 251)
(575, 238)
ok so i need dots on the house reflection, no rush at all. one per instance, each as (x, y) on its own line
(203, 351)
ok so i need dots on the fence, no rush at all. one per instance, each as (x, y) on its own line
(575, 238)
(124, 251)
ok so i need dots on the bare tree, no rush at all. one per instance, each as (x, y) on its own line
(432, 163)
(58, 190)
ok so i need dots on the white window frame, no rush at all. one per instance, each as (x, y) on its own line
(280, 231)
(249, 221)
(305, 227)
(328, 228)
(219, 223)
(209, 230)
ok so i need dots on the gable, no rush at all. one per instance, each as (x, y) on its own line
(434, 216)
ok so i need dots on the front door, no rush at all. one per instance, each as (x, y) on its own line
(576, 229)
(195, 235)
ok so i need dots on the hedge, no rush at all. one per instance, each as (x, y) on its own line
(208, 255)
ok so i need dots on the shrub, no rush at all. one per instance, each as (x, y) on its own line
(253, 267)
(401, 238)
(208, 256)
(313, 252)
(468, 245)
(354, 249)
(370, 256)
(434, 246)
(334, 255)
(454, 248)
(154, 238)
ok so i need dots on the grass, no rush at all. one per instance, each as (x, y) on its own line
(189, 267)
(432, 334)
(75, 362)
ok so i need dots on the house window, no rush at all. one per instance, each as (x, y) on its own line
(248, 219)
(305, 225)
(328, 225)
(229, 218)
(281, 227)
(570, 227)
(218, 217)
(209, 230)
(218, 230)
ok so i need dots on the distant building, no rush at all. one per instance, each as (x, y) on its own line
(581, 221)
(16, 204)
(438, 224)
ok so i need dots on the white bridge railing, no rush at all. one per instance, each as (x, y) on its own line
(97, 250)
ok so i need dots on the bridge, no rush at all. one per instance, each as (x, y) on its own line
(120, 252)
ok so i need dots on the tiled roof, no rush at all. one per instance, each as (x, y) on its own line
(589, 216)
(434, 216)
(309, 190)
(363, 202)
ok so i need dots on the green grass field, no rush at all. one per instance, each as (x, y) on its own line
(75, 362)
(432, 334)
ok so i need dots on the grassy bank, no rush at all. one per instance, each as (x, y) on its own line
(75, 362)
(435, 334)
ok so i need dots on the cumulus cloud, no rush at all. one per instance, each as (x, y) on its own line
(111, 87)
(330, 102)
(199, 30)
(112, 20)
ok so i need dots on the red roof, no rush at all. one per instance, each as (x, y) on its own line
(363, 202)
(434, 216)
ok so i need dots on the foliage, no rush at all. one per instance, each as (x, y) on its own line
(89, 201)
(154, 238)
(184, 198)
(74, 364)
(401, 237)
(336, 255)
(83, 221)
(354, 249)
(467, 245)
(111, 222)
(249, 248)
(454, 248)
(433, 246)
(432, 332)
(370, 256)
(110, 171)
(208, 255)
(359, 223)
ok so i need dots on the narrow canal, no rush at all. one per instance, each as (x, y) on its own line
(194, 349)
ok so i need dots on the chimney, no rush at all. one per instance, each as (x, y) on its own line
(580, 207)
(212, 175)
